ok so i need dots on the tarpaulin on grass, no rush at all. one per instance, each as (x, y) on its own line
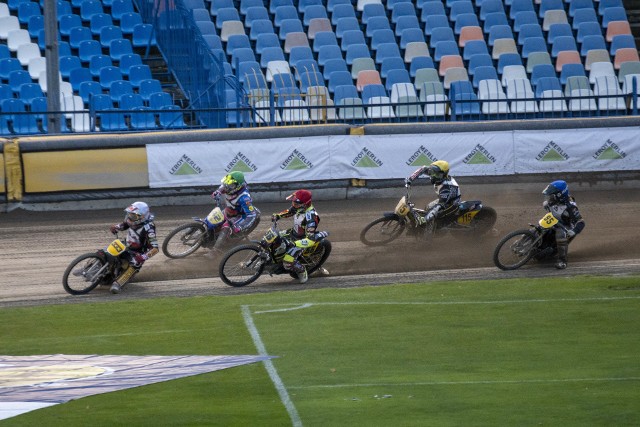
(33, 382)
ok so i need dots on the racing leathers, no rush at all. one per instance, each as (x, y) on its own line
(570, 223)
(302, 235)
(239, 212)
(447, 202)
(142, 244)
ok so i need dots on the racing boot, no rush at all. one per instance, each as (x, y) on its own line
(321, 271)
(303, 276)
(561, 263)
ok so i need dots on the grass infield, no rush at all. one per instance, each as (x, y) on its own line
(513, 352)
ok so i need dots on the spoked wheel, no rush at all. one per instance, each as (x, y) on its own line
(84, 274)
(515, 249)
(184, 240)
(241, 265)
(382, 231)
(314, 261)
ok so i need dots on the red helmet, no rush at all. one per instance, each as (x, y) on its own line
(300, 199)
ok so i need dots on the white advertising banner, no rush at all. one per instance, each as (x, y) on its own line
(330, 157)
(577, 150)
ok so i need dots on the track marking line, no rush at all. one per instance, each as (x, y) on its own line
(271, 369)
(305, 305)
(479, 382)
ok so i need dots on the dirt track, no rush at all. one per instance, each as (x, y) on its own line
(35, 247)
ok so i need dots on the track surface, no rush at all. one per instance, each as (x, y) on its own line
(35, 247)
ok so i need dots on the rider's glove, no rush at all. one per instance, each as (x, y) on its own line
(140, 258)
(215, 194)
(275, 217)
(115, 228)
(545, 205)
(571, 233)
(235, 228)
(321, 235)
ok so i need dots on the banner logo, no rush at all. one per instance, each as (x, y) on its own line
(366, 159)
(186, 166)
(609, 151)
(479, 156)
(296, 161)
(552, 153)
(421, 157)
(241, 163)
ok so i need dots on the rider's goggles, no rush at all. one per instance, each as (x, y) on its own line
(134, 217)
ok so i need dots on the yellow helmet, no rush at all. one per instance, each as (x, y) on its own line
(438, 171)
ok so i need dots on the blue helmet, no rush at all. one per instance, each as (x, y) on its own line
(557, 191)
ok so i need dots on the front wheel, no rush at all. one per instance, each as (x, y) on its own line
(382, 231)
(241, 265)
(184, 240)
(515, 249)
(84, 274)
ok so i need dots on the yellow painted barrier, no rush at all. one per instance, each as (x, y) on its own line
(3, 188)
(13, 171)
(85, 170)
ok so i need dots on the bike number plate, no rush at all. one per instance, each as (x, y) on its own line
(216, 216)
(116, 247)
(402, 209)
(270, 236)
(466, 218)
(548, 221)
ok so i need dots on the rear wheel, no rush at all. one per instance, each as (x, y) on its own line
(184, 240)
(382, 231)
(515, 249)
(84, 274)
(241, 265)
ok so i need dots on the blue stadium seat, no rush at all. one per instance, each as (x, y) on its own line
(129, 101)
(64, 8)
(142, 35)
(330, 52)
(520, 6)
(107, 76)
(138, 73)
(352, 37)
(620, 42)
(226, 14)
(223, 4)
(405, 22)
(4, 52)
(129, 21)
(465, 20)
(241, 55)
(592, 42)
(260, 26)
(245, 5)
(546, 83)
(379, 37)
(534, 44)
(171, 118)
(444, 48)
(402, 9)
(88, 89)
(312, 12)
(21, 123)
(142, 118)
(331, 4)
(109, 33)
(190, 4)
(575, 5)
(5, 92)
(331, 65)
(493, 19)
(126, 62)
(371, 91)
(356, 51)
(540, 71)
(206, 27)
(7, 66)
(396, 76)
(149, 87)
(283, 81)
(88, 8)
(479, 60)
(419, 63)
(310, 78)
(549, 5)
(432, 8)
(97, 62)
(391, 63)
(265, 41)
(563, 43)
(26, 10)
(271, 54)
(28, 91)
(436, 21)
(346, 24)
(39, 105)
(324, 38)
(376, 23)
(255, 14)
(119, 88)
(213, 41)
(307, 65)
(588, 29)
(18, 78)
(342, 11)
(120, 47)
(303, 4)
(387, 50)
(79, 34)
(299, 53)
(474, 47)
(490, 6)
(583, 15)
(238, 41)
(68, 63)
(338, 78)
(487, 72)
(160, 99)
(523, 18)
(558, 30)
(571, 70)
(372, 9)
(528, 31)
(605, 4)
(36, 23)
(508, 59)
(98, 21)
(290, 26)
(499, 32)
(460, 7)
(411, 35)
(201, 15)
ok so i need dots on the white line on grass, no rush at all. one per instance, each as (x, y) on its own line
(307, 305)
(479, 382)
(271, 369)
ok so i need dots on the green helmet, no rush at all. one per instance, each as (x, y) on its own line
(233, 182)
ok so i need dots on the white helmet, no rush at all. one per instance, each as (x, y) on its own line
(137, 214)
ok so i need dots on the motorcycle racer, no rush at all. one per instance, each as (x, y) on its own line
(304, 232)
(141, 241)
(445, 187)
(565, 210)
(240, 214)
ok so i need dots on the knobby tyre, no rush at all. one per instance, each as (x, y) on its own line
(241, 265)
(184, 240)
(484, 220)
(84, 274)
(515, 249)
(314, 261)
(382, 231)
